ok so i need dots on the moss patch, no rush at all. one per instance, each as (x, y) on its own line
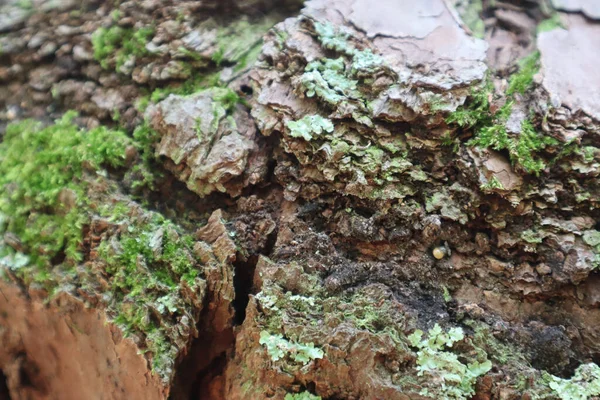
(115, 45)
(43, 192)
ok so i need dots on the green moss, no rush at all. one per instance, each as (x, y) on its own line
(476, 112)
(115, 45)
(116, 15)
(145, 265)
(193, 85)
(522, 148)
(492, 184)
(523, 79)
(43, 191)
(550, 24)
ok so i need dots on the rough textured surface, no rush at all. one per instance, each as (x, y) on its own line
(59, 350)
(589, 7)
(211, 143)
(567, 57)
(394, 200)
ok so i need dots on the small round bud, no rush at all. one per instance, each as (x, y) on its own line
(439, 252)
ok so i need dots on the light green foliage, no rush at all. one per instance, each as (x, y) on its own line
(278, 348)
(25, 4)
(145, 172)
(522, 80)
(41, 170)
(46, 174)
(490, 130)
(584, 384)
(454, 379)
(116, 15)
(308, 126)
(301, 396)
(119, 44)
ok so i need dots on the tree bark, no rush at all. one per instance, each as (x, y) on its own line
(336, 200)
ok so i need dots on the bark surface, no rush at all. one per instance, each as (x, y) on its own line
(338, 199)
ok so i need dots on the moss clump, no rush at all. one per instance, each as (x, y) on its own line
(523, 79)
(492, 184)
(145, 266)
(522, 148)
(120, 44)
(139, 263)
(477, 111)
(43, 192)
(195, 84)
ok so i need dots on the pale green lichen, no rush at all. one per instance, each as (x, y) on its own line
(301, 396)
(309, 126)
(447, 207)
(435, 361)
(278, 348)
(583, 385)
(531, 236)
(328, 80)
(592, 238)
